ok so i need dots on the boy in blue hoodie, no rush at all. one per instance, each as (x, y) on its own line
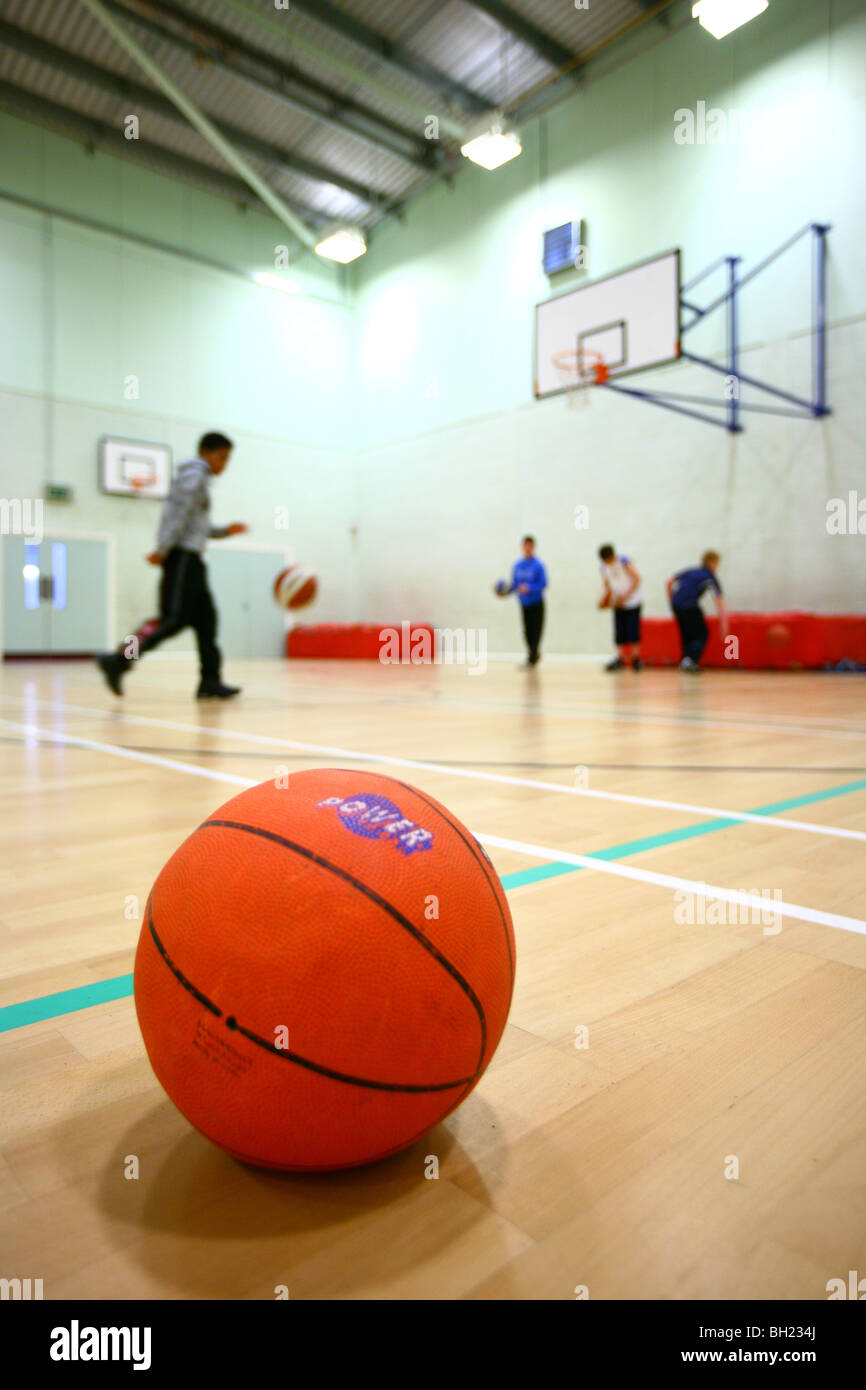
(528, 581)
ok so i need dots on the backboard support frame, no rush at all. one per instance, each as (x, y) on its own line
(815, 408)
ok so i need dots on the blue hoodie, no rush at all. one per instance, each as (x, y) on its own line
(529, 572)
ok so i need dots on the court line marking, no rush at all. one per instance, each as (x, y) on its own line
(557, 862)
(557, 711)
(593, 860)
(761, 816)
(66, 1001)
(613, 716)
(57, 736)
(701, 890)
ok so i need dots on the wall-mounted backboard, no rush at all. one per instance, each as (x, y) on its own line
(630, 319)
(134, 468)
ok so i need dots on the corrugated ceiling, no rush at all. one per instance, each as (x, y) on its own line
(346, 104)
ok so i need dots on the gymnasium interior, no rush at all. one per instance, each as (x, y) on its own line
(447, 276)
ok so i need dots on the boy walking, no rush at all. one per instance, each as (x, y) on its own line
(623, 593)
(684, 592)
(184, 597)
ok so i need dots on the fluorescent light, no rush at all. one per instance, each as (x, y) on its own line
(721, 17)
(344, 245)
(493, 148)
(276, 282)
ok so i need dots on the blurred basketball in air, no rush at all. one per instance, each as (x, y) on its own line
(295, 587)
(778, 635)
(500, 588)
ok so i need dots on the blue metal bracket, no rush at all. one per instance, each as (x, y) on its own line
(733, 406)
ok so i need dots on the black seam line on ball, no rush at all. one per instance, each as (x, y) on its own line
(471, 845)
(289, 1056)
(295, 1057)
(375, 897)
(179, 976)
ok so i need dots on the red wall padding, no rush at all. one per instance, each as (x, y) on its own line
(346, 641)
(815, 640)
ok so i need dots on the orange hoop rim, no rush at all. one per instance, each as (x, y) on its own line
(574, 362)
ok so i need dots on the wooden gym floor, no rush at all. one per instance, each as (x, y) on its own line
(676, 1110)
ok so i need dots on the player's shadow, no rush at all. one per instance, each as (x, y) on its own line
(209, 1226)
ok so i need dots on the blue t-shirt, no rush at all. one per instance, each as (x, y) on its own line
(529, 572)
(689, 585)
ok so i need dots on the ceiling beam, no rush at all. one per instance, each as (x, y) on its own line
(200, 122)
(97, 135)
(125, 88)
(282, 81)
(524, 30)
(554, 88)
(392, 53)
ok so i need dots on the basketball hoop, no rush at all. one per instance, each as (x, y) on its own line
(578, 368)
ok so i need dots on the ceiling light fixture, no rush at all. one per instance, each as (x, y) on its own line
(344, 245)
(494, 147)
(721, 17)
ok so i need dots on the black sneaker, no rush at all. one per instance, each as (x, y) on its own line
(215, 690)
(112, 668)
(637, 664)
(616, 665)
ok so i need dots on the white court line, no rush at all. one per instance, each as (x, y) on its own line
(54, 736)
(581, 861)
(749, 817)
(590, 712)
(677, 721)
(703, 890)
(572, 712)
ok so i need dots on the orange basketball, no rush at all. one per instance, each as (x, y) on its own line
(778, 635)
(295, 587)
(324, 970)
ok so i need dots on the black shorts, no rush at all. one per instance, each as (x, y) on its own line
(626, 626)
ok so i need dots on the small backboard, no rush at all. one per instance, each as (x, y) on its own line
(133, 468)
(628, 321)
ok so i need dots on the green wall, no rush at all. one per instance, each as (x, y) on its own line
(86, 311)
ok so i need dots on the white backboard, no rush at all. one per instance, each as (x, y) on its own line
(133, 468)
(631, 318)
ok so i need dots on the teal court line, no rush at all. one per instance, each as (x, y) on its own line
(85, 996)
(68, 1001)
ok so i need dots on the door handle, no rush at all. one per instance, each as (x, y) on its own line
(46, 586)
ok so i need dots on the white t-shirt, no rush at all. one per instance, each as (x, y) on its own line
(619, 581)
